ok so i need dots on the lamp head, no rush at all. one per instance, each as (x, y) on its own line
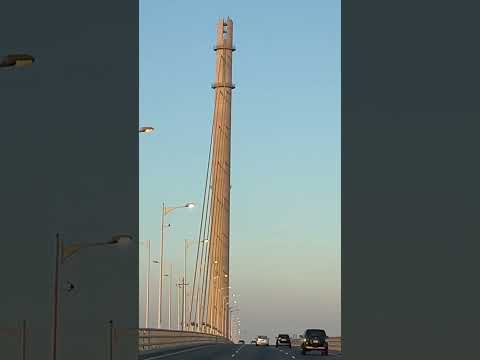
(16, 61)
(146, 129)
(121, 239)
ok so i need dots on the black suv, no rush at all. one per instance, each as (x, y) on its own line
(314, 339)
(283, 339)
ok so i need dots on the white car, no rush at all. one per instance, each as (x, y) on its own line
(261, 340)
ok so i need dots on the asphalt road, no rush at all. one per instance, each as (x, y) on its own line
(240, 352)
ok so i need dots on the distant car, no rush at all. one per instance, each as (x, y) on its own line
(261, 341)
(241, 342)
(283, 340)
(315, 340)
(254, 341)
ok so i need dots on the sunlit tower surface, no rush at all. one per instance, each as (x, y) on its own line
(212, 277)
(220, 210)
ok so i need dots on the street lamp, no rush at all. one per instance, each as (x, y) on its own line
(63, 252)
(165, 211)
(185, 277)
(181, 319)
(13, 61)
(169, 294)
(147, 299)
(146, 129)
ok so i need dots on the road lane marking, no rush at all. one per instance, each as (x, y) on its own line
(175, 353)
(241, 347)
(237, 351)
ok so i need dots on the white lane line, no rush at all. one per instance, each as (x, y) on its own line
(241, 347)
(175, 353)
(237, 351)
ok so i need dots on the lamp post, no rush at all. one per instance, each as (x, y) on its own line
(183, 284)
(170, 299)
(63, 252)
(185, 280)
(170, 276)
(224, 322)
(146, 129)
(13, 61)
(147, 301)
(165, 211)
(178, 304)
(179, 285)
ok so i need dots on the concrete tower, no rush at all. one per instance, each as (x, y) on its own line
(218, 292)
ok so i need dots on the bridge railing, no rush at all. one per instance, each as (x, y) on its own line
(334, 343)
(151, 339)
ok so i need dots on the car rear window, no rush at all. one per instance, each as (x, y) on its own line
(315, 332)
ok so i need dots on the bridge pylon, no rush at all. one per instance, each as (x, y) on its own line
(209, 309)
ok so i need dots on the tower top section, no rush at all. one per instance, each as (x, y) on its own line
(225, 34)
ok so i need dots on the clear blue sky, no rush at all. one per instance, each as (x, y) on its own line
(285, 200)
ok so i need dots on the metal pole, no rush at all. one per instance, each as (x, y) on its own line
(170, 299)
(184, 282)
(230, 334)
(159, 315)
(183, 303)
(55, 297)
(222, 312)
(178, 305)
(225, 321)
(147, 305)
(225, 324)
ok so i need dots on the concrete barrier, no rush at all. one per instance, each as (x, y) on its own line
(334, 343)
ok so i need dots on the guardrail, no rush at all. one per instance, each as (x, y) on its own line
(151, 339)
(334, 343)
(13, 339)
